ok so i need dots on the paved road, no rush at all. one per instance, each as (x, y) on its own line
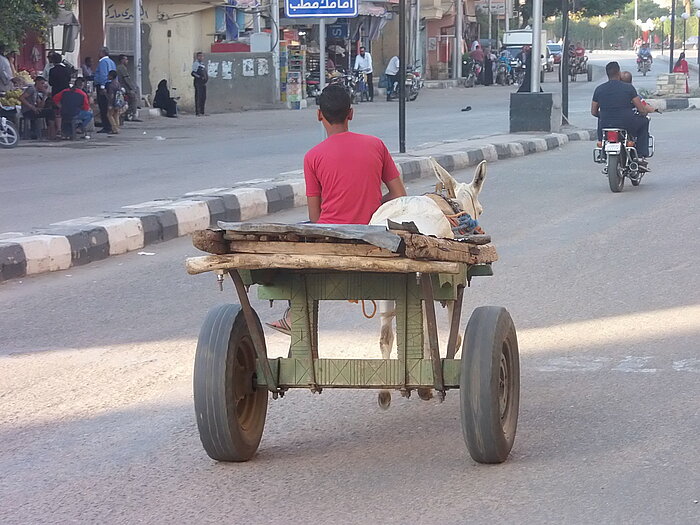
(46, 184)
(96, 418)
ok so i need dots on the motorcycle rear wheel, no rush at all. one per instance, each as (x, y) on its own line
(616, 179)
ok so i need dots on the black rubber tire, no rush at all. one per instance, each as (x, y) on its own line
(635, 182)
(489, 384)
(230, 429)
(589, 72)
(615, 177)
(11, 138)
(542, 76)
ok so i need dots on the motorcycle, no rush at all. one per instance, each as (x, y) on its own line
(503, 75)
(473, 72)
(9, 137)
(644, 64)
(412, 83)
(618, 152)
(517, 71)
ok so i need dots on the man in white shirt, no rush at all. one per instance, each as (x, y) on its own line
(392, 76)
(5, 71)
(363, 62)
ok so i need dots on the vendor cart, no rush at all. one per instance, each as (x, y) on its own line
(305, 264)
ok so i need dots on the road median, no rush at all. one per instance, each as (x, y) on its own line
(84, 240)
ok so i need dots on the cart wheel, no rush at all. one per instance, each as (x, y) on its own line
(230, 408)
(489, 384)
(589, 72)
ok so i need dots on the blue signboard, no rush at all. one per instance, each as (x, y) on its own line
(320, 8)
(339, 31)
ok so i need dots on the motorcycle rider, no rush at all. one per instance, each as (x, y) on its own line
(644, 52)
(613, 104)
(392, 76)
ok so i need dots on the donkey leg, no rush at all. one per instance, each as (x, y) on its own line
(387, 313)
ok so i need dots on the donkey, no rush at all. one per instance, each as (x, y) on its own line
(430, 219)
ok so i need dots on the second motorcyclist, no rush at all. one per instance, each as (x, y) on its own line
(644, 53)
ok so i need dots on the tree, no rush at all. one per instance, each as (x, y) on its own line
(645, 9)
(18, 17)
(582, 7)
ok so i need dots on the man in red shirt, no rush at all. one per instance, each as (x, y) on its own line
(345, 172)
(74, 103)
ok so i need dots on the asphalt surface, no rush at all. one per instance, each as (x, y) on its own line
(96, 416)
(43, 183)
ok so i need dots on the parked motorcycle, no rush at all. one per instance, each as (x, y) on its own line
(9, 138)
(473, 72)
(503, 76)
(517, 71)
(618, 152)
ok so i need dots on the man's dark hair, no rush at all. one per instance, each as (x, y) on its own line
(122, 57)
(612, 69)
(56, 58)
(363, 48)
(2, 49)
(78, 83)
(334, 103)
(39, 78)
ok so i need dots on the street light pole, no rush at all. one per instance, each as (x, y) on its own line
(137, 47)
(685, 16)
(402, 76)
(564, 64)
(536, 51)
(602, 26)
(672, 43)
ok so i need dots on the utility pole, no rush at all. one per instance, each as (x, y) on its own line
(457, 57)
(536, 51)
(402, 76)
(322, 52)
(419, 54)
(275, 7)
(137, 47)
(490, 23)
(509, 11)
(564, 64)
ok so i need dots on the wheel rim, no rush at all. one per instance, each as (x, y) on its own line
(504, 380)
(8, 136)
(245, 394)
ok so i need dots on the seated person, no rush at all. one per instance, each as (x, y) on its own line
(163, 100)
(74, 104)
(613, 102)
(626, 77)
(344, 173)
(36, 104)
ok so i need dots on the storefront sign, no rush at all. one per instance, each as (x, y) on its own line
(498, 7)
(320, 8)
(338, 31)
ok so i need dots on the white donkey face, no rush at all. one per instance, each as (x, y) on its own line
(467, 194)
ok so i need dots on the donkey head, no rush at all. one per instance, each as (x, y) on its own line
(467, 194)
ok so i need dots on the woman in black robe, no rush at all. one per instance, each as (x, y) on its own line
(488, 67)
(164, 101)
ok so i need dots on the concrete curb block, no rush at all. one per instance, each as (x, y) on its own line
(671, 104)
(80, 241)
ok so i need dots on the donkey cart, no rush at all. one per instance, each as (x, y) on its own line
(305, 264)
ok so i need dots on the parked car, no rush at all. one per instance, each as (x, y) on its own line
(555, 52)
(692, 42)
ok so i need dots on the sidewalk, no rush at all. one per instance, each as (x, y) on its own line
(76, 242)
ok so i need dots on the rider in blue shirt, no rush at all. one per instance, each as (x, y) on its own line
(644, 52)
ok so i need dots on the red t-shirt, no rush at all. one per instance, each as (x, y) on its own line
(347, 170)
(85, 105)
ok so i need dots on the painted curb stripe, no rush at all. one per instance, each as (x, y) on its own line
(81, 241)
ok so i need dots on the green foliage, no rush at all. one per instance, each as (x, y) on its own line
(18, 17)
(645, 9)
(583, 8)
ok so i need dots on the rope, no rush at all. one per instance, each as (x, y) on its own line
(364, 311)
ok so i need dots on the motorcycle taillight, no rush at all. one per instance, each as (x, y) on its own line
(612, 136)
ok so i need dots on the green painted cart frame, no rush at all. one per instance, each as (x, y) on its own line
(234, 377)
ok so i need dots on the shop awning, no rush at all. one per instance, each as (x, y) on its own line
(64, 18)
(371, 9)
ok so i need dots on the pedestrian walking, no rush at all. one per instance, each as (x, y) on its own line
(5, 71)
(128, 85)
(115, 101)
(201, 77)
(104, 66)
(363, 63)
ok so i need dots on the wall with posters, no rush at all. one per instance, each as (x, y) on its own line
(239, 81)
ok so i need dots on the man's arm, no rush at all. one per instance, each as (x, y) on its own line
(595, 108)
(396, 190)
(314, 205)
(641, 107)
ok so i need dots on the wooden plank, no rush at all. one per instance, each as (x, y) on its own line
(434, 249)
(349, 263)
(210, 241)
(308, 248)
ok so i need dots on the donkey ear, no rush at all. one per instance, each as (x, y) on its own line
(444, 177)
(479, 177)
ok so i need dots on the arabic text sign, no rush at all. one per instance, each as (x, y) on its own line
(320, 8)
